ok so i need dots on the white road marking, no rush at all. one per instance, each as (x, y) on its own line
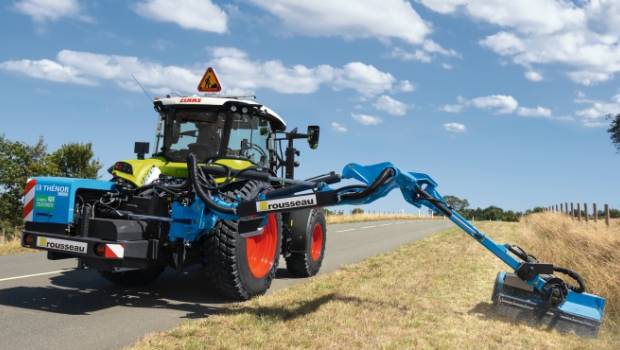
(347, 230)
(33, 275)
(385, 225)
(365, 227)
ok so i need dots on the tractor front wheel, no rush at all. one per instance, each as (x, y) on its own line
(239, 267)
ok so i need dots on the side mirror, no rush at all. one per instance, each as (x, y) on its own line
(313, 136)
(141, 148)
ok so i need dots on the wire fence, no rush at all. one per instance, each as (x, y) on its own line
(581, 211)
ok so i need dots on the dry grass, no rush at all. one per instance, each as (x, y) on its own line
(433, 294)
(590, 248)
(12, 246)
(343, 219)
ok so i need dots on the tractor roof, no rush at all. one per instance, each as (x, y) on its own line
(277, 122)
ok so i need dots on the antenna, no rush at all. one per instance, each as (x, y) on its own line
(142, 87)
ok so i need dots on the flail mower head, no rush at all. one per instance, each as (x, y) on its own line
(578, 312)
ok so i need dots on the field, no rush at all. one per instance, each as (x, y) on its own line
(347, 218)
(434, 293)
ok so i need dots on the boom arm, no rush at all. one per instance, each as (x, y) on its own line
(418, 189)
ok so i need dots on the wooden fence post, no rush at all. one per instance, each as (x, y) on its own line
(572, 210)
(595, 212)
(566, 207)
(607, 214)
(578, 212)
(585, 211)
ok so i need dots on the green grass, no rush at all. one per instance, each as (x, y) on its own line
(433, 294)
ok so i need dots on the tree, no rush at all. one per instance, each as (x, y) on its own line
(76, 160)
(493, 213)
(614, 131)
(18, 161)
(457, 203)
(357, 211)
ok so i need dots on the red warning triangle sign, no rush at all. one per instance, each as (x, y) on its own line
(209, 82)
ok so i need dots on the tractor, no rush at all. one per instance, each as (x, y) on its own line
(220, 191)
(131, 228)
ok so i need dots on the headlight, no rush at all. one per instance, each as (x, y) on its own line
(123, 167)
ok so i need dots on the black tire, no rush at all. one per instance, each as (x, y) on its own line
(302, 262)
(134, 278)
(225, 255)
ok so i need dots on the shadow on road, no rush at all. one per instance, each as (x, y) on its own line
(79, 292)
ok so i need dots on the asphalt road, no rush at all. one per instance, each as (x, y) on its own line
(49, 305)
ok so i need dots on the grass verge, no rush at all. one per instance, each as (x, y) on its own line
(434, 293)
(348, 218)
(11, 247)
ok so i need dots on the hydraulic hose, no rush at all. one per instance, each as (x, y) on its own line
(385, 176)
(581, 284)
(192, 169)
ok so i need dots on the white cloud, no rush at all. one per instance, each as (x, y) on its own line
(366, 119)
(201, 15)
(533, 76)
(455, 108)
(596, 111)
(406, 86)
(48, 70)
(500, 104)
(383, 19)
(446, 66)
(457, 128)
(417, 55)
(581, 36)
(390, 105)
(526, 16)
(534, 112)
(339, 127)
(50, 10)
(424, 54)
(364, 78)
(504, 43)
(443, 6)
(238, 73)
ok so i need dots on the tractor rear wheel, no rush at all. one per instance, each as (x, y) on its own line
(134, 278)
(239, 267)
(307, 248)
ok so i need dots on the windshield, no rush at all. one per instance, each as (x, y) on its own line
(201, 132)
(249, 138)
(196, 131)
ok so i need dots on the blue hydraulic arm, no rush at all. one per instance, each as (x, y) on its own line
(421, 191)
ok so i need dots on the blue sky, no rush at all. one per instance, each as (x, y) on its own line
(501, 102)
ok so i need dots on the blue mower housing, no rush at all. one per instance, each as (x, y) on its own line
(579, 313)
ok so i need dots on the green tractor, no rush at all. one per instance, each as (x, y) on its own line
(132, 227)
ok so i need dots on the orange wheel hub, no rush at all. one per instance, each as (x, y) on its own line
(261, 249)
(317, 242)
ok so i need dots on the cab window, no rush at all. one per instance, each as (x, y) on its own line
(249, 138)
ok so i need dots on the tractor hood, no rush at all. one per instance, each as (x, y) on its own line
(140, 172)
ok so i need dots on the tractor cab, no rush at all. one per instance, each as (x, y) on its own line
(212, 128)
(230, 131)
